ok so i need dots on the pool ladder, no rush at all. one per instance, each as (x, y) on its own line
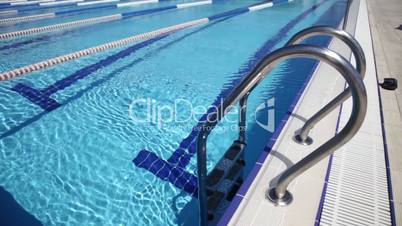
(354, 78)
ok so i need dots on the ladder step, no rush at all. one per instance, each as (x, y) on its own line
(215, 199)
(233, 151)
(226, 168)
(214, 177)
(234, 190)
(225, 179)
(236, 168)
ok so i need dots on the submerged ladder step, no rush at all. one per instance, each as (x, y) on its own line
(226, 163)
(215, 176)
(215, 199)
(225, 179)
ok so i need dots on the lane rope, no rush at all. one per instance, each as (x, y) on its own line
(96, 20)
(100, 48)
(148, 35)
(71, 3)
(43, 3)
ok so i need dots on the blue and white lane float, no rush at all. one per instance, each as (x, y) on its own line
(122, 42)
(44, 3)
(13, 4)
(48, 5)
(22, 3)
(15, 20)
(95, 20)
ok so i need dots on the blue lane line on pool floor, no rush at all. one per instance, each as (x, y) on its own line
(181, 157)
(111, 75)
(42, 97)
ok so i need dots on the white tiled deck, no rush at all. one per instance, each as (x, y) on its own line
(326, 83)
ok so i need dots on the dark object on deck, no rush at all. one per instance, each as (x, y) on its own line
(389, 84)
(399, 28)
(12, 214)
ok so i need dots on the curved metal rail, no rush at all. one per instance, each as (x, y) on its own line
(302, 135)
(279, 194)
(242, 91)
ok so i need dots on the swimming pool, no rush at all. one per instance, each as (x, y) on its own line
(71, 162)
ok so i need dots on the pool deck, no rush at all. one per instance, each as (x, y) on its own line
(332, 191)
(384, 19)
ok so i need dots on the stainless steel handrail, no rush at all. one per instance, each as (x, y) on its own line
(302, 135)
(249, 83)
(279, 194)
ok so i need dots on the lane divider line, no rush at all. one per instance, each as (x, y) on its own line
(8, 12)
(191, 4)
(42, 97)
(130, 4)
(79, 3)
(96, 2)
(262, 6)
(27, 18)
(54, 27)
(28, 3)
(41, 3)
(100, 48)
(64, 3)
(96, 20)
(7, 5)
(152, 52)
(6, 2)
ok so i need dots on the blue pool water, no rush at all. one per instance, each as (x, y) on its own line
(74, 165)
